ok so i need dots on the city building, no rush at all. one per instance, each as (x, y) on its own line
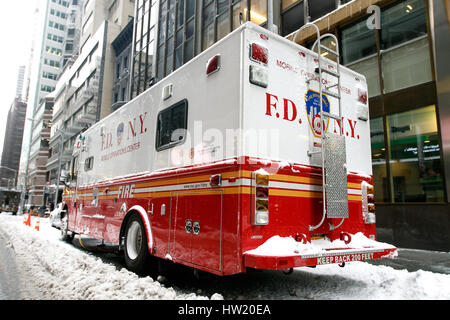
(12, 144)
(20, 80)
(400, 46)
(50, 29)
(84, 91)
(37, 173)
(122, 47)
(73, 31)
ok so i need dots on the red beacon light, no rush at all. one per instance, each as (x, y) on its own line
(213, 65)
(259, 53)
(362, 96)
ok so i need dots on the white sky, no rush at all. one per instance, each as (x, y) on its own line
(15, 30)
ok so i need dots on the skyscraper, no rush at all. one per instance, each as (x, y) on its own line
(20, 79)
(47, 60)
(12, 144)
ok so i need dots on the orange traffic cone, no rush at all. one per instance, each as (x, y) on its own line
(25, 218)
(37, 225)
(28, 222)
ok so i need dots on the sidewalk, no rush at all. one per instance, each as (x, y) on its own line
(414, 260)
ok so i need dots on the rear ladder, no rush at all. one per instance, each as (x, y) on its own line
(333, 152)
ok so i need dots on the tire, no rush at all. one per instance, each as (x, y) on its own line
(65, 234)
(136, 248)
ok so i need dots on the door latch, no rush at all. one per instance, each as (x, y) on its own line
(188, 226)
(196, 227)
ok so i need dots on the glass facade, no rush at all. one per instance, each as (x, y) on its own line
(294, 13)
(217, 21)
(176, 35)
(409, 143)
(378, 147)
(146, 14)
(415, 163)
(405, 55)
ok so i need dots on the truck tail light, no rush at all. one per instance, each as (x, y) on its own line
(262, 179)
(260, 209)
(262, 205)
(258, 76)
(258, 73)
(362, 96)
(262, 192)
(213, 65)
(368, 203)
(259, 53)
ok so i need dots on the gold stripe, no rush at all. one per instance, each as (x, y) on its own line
(352, 185)
(225, 175)
(354, 198)
(292, 193)
(227, 191)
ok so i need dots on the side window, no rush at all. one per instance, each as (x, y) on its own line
(94, 201)
(89, 164)
(172, 125)
(74, 168)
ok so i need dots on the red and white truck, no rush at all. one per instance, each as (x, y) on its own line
(255, 154)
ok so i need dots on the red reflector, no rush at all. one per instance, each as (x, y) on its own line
(215, 180)
(262, 192)
(213, 65)
(259, 53)
(362, 96)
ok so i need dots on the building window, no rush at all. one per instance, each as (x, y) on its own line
(258, 11)
(144, 42)
(379, 170)
(172, 125)
(406, 66)
(89, 164)
(357, 42)
(405, 59)
(411, 149)
(320, 8)
(403, 22)
(415, 156)
(293, 18)
(176, 36)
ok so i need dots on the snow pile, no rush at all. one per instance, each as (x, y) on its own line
(287, 246)
(52, 269)
(363, 281)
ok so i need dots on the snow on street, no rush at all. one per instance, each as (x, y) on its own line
(38, 265)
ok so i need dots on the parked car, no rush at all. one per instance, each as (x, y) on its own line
(55, 217)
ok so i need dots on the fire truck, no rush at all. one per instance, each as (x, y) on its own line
(253, 155)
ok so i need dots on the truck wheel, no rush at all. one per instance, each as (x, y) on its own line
(65, 234)
(136, 248)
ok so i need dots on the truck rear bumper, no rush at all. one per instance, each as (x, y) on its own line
(316, 252)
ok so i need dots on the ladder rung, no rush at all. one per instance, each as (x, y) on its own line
(310, 153)
(332, 86)
(333, 73)
(329, 50)
(330, 115)
(336, 95)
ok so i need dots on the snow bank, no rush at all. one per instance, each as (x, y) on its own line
(52, 269)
